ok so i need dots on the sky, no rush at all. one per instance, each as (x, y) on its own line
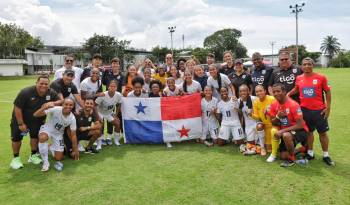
(145, 23)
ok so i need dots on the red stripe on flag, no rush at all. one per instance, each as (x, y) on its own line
(183, 107)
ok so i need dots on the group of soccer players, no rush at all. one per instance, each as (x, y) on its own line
(261, 111)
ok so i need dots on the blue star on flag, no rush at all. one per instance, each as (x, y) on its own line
(140, 108)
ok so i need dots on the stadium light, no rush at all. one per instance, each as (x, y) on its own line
(296, 9)
(171, 31)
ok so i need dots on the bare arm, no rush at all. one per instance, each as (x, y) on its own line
(79, 100)
(73, 137)
(327, 110)
(41, 111)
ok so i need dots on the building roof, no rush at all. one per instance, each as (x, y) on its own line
(12, 61)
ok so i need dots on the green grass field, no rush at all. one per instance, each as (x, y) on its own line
(186, 174)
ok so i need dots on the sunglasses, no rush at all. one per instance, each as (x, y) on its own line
(69, 61)
(284, 59)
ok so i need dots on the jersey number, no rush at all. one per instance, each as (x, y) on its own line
(228, 113)
(208, 113)
(58, 126)
(110, 107)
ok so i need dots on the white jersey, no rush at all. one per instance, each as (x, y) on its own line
(90, 87)
(229, 113)
(193, 88)
(179, 81)
(77, 75)
(106, 104)
(249, 121)
(207, 108)
(146, 87)
(167, 92)
(225, 82)
(57, 122)
(143, 95)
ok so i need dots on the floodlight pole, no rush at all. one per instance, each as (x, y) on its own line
(171, 31)
(296, 9)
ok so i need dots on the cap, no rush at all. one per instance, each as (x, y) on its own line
(115, 59)
(238, 61)
(68, 72)
(256, 56)
(97, 55)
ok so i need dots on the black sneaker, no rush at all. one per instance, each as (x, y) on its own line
(309, 157)
(91, 150)
(328, 161)
(287, 163)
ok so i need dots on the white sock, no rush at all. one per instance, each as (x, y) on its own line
(261, 138)
(44, 151)
(117, 135)
(325, 154)
(109, 136)
(310, 152)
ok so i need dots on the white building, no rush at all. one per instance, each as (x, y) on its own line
(42, 61)
(12, 67)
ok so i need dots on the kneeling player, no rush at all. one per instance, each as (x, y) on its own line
(59, 118)
(230, 124)
(210, 123)
(88, 125)
(287, 113)
(105, 107)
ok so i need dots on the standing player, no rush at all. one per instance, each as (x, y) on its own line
(210, 123)
(92, 86)
(286, 74)
(261, 74)
(218, 80)
(59, 118)
(69, 64)
(311, 87)
(287, 113)
(26, 103)
(105, 106)
(96, 62)
(227, 113)
(190, 86)
(240, 77)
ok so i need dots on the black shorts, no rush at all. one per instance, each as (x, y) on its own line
(83, 135)
(33, 126)
(299, 136)
(315, 120)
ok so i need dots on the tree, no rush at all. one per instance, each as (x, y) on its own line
(13, 41)
(330, 46)
(303, 53)
(159, 53)
(201, 54)
(223, 40)
(108, 46)
(342, 60)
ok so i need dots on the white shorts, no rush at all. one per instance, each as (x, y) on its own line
(57, 143)
(251, 133)
(212, 132)
(109, 117)
(235, 131)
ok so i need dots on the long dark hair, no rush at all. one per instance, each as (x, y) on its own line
(218, 76)
(184, 85)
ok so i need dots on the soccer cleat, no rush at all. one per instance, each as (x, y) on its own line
(45, 167)
(242, 148)
(109, 141)
(271, 159)
(168, 145)
(16, 163)
(328, 161)
(287, 163)
(103, 142)
(91, 150)
(263, 151)
(58, 166)
(99, 144)
(81, 147)
(116, 141)
(309, 157)
(35, 159)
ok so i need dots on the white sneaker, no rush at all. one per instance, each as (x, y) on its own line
(46, 167)
(271, 158)
(81, 147)
(116, 141)
(242, 148)
(99, 144)
(168, 145)
(58, 166)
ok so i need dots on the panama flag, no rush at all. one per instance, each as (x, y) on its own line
(159, 120)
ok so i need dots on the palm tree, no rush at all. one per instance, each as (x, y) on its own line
(330, 46)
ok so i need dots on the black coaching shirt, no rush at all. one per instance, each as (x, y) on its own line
(261, 76)
(85, 121)
(227, 70)
(287, 78)
(238, 80)
(65, 90)
(108, 76)
(29, 101)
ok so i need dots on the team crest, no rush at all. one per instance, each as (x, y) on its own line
(243, 76)
(33, 98)
(69, 89)
(314, 81)
(287, 110)
(48, 97)
(294, 70)
(263, 72)
(89, 119)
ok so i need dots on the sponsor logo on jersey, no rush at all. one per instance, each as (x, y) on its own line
(309, 92)
(258, 80)
(284, 121)
(288, 79)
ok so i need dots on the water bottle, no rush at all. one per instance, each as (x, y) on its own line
(302, 161)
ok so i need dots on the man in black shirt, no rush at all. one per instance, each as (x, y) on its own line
(114, 74)
(26, 103)
(96, 63)
(88, 125)
(261, 74)
(286, 74)
(64, 87)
